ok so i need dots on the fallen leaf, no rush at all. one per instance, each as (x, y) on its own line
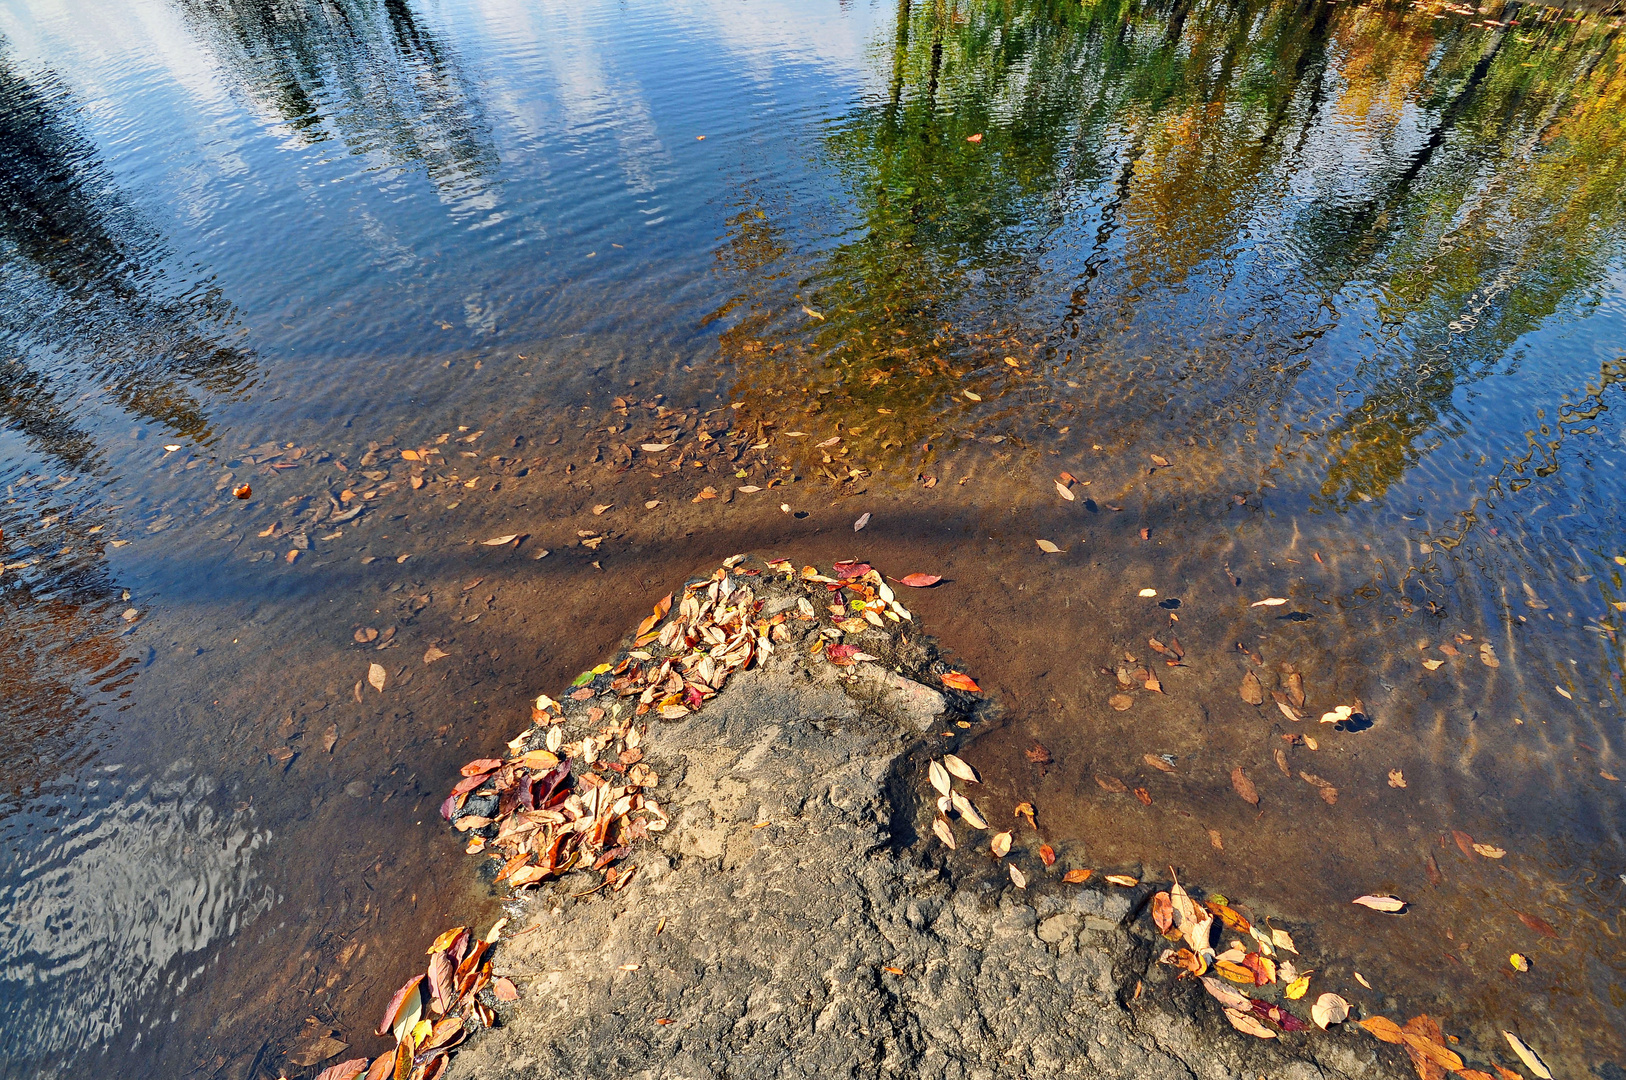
(1160, 461)
(1564, 693)
(654, 447)
(1397, 779)
(1282, 940)
(1215, 839)
(1422, 1036)
(1048, 548)
(1000, 845)
(330, 738)
(939, 777)
(431, 654)
(1252, 692)
(344, 1070)
(863, 520)
(1123, 879)
(919, 581)
(977, 138)
(1269, 601)
(375, 677)
(504, 989)
(961, 682)
(1281, 762)
(1518, 962)
(1147, 592)
(971, 396)
(1157, 763)
(1362, 980)
(1244, 786)
(242, 492)
(1225, 995)
(398, 1004)
(600, 509)
(1465, 843)
(1245, 1022)
(1061, 489)
(1038, 754)
(1298, 988)
(499, 541)
(1433, 665)
(1528, 1056)
(1383, 1029)
(1162, 912)
(1329, 1009)
(960, 769)
(1077, 876)
(1113, 784)
(1490, 851)
(1144, 796)
(1380, 903)
(1025, 809)
(1121, 702)
(1540, 926)
(940, 826)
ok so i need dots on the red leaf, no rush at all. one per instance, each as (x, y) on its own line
(846, 571)
(841, 655)
(919, 581)
(395, 1004)
(961, 682)
(471, 782)
(344, 1070)
(1048, 854)
(481, 765)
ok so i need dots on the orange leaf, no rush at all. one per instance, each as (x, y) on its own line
(1048, 854)
(961, 682)
(919, 581)
(1384, 1029)
(1077, 877)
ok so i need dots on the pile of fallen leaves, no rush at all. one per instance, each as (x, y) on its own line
(1262, 962)
(435, 1011)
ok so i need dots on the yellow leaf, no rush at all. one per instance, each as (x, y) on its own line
(445, 940)
(1298, 988)
(973, 397)
(1234, 971)
(1126, 881)
(1489, 851)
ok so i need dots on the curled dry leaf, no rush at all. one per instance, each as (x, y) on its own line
(1397, 779)
(1490, 851)
(1244, 786)
(1000, 845)
(1362, 980)
(1528, 1056)
(939, 777)
(499, 541)
(1252, 692)
(1019, 879)
(1123, 879)
(376, 676)
(1061, 489)
(1329, 1009)
(960, 681)
(1389, 904)
(1113, 784)
(1244, 1022)
(960, 769)
(940, 826)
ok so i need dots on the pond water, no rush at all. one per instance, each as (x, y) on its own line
(1317, 302)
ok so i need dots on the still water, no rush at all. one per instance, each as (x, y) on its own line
(1355, 272)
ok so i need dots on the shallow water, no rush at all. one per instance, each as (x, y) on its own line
(1354, 271)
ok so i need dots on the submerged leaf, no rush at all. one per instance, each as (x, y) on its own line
(1252, 692)
(1383, 1029)
(961, 682)
(920, 581)
(1245, 1022)
(375, 677)
(1244, 786)
(1047, 547)
(1269, 601)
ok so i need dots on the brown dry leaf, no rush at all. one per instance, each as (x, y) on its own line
(1433, 665)
(1077, 877)
(1397, 779)
(1025, 809)
(1153, 685)
(940, 826)
(1162, 912)
(330, 738)
(1048, 548)
(499, 541)
(1281, 762)
(1000, 845)
(1038, 754)
(598, 510)
(1244, 786)
(1540, 926)
(960, 769)
(1157, 763)
(1329, 1009)
(1215, 839)
(1047, 855)
(1019, 879)
(344, 1070)
(365, 635)
(320, 1048)
(1123, 879)
(1160, 461)
(1252, 692)
(1144, 796)
(1390, 904)
(431, 654)
(1383, 1029)
(1121, 702)
(1294, 685)
(1113, 784)
(1465, 843)
(1245, 1022)
(1489, 851)
(376, 676)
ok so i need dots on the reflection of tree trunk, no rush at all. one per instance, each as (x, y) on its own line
(1453, 112)
(1312, 54)
(937, 53)
(1177, 21)
(900, 54)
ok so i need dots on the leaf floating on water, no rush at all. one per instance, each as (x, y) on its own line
(1298, 988)
(376, 676)
(1269, 601)
(1160, 461)
(1490, 851)
(1157, 763)
(242, 492)
(939, 777)
(919, 581)
(1397, 779)
(1528, 1056)
(1048, 548)
(1362, 980)
(1329, 1009)
(1282, 940)
(961, 681)
(499, 541)
(1062, 490)
(1540, 926)
(1564, 693)
(1019, 879)
(1077, 877)
(1252, 692)
(1519, 962)
(1123, 879)
(940, 826)
(1389, 904)
(972, 397)
(1000, 845)
(1383, 1029)
(1465, 843)
(1147, 592)
(1244, 786)
(655, 447)
(1245, 1022)
(398, 1008)
(960, 769)
(863, 519)
(968, 812)
(601, 509)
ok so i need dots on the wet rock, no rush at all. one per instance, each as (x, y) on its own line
(358, 789)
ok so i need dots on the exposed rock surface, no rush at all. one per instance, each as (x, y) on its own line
(798, 919)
